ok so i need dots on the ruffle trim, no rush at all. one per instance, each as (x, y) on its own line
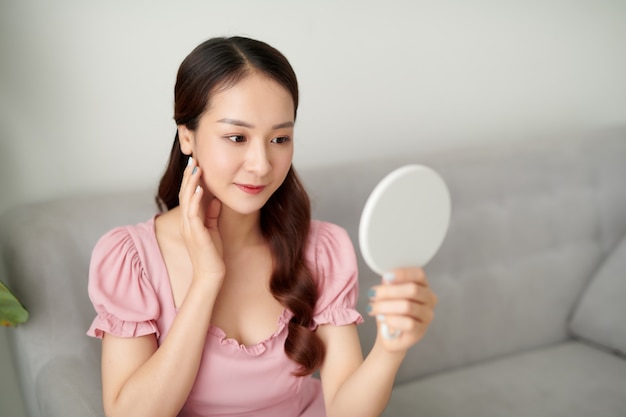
(108, 323)
(257, 348)
(338, 317)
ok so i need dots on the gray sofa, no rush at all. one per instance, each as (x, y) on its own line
(531, 281)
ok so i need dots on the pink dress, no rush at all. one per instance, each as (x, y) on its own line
(130, 290)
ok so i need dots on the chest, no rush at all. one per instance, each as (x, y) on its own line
(242, 380)
(245, 309)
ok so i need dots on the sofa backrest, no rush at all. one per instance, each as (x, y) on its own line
(530, 223)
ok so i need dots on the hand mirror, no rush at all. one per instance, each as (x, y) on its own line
(405, 219)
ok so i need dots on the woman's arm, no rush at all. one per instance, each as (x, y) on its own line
(356, 387)
(140, 380)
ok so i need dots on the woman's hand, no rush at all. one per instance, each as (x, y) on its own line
(403, 306)
(199, 226)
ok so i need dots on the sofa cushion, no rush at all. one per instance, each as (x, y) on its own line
(599, 317)
(570, 379)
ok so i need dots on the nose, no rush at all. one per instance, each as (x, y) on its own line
(257, 159)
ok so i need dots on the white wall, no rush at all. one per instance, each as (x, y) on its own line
(86, 87)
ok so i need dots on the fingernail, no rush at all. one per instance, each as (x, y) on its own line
(389, 276)
(368, 308)
(387, 333)
(371, 293)
(384, 329)
(190, 160)
(194, 170)
(198, 188)
(380, 317)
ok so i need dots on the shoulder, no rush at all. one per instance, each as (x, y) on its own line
(117, 259)
(330, 251)
(333, 264)
(325, 235)
(119, 287)
(129, 240)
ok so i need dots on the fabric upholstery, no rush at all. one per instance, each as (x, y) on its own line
(601, 315)
(65, 387)
(531, 225)
(565, 380)
(45, 250)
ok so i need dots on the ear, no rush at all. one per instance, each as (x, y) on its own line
(187, 140)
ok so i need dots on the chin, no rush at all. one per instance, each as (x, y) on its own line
(244, 208)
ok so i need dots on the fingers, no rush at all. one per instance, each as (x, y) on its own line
(411, 274)
(199, 215)
(190, 200)
(420, 294)
(404, 284)
(189, 184)
(188, 169)
(412, 298)
(402, 308)
(397, 324)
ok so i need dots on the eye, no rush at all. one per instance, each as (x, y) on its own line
(236, 138)
(280, 139)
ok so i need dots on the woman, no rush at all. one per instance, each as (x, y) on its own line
(229, 299)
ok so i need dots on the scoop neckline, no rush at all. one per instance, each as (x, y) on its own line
(254, 349)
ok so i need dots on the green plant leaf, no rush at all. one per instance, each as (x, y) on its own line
(12, 312)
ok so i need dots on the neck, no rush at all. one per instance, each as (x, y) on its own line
(239, 230)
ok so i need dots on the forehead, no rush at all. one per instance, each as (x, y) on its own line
(254, 98)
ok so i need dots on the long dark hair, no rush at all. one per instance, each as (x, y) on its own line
(217, 64)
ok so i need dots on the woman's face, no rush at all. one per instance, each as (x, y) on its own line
(244, 142)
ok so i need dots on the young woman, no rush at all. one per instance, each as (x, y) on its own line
(227, 300)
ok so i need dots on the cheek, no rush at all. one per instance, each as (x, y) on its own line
(213, 158)
(215, 167)
(284, 163)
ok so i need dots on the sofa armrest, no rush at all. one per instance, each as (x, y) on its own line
(45, 249)
(599, 316)
(68, 387)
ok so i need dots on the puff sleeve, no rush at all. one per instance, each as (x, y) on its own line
(336, 273)
(125, 301)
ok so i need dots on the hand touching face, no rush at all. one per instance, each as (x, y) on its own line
(199, 227)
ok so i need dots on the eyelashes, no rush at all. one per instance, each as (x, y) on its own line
(236, 138)
(241, 139)
(281, 139)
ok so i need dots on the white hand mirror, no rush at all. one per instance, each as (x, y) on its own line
(405, 219)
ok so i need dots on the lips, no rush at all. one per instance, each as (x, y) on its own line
(251, 189)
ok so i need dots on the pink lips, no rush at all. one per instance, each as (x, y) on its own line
(251, 189)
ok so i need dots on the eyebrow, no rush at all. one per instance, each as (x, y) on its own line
(241, 123)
